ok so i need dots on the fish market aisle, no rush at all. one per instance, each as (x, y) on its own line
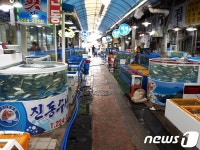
(114, 125)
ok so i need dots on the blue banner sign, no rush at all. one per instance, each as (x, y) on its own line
(108, 38)
(116, 33)
(33, 11)
(124, 29)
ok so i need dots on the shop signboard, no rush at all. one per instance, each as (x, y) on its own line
(54, 12)
(36, 116)
(33, 12)
(116, 33)
(124, 29)
(178, 16)
(192, 12)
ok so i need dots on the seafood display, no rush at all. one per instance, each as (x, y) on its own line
(124, 55)
(79, 52)
(144, 58)
(168, 72)
(167, 78)
(39, 80)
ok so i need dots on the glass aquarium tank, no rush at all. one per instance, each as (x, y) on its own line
(144, 58)
(167, 77)
(173, 70)
(39, 80)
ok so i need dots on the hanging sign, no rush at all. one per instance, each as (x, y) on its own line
(84, 34)
(108, 38)
(116, 33)
(124, 29)
(54, 11)
(34, 12)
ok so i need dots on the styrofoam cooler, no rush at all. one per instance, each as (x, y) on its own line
(122, 61)
(72, 78)
(85, 55)
(72, 94)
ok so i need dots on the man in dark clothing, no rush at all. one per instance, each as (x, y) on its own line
(93, 50)
(35, 47)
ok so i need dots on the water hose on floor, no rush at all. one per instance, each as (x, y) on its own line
(67, 131)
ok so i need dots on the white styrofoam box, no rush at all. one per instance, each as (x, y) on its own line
(122, 61)
(85, 55)
(72, 78)
(72, 90)
(182, 120)
(10, 59)
(136, 80)
(131, 60)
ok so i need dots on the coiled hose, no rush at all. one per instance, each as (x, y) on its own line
(67, 131)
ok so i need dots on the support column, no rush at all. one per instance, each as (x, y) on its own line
(80, 40)
(133, 38)
(63, 36)
(55, 43)
(122, 43)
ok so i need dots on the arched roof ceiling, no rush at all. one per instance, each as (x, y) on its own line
(90, 12)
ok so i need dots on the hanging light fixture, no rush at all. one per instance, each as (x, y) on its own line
(135, 27)
(176, 28)
(68, 22)
(146, 23)
(17, 4)
(5, 5)
(73, 27)
(191, 28)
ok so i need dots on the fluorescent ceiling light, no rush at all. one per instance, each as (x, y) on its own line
(76, 31)
(68, 22)
(17, 4)
(191, 28)
(72, 27)
(146, 23)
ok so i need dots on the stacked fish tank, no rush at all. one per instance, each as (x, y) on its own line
(167, 77)
(144, 58)
(126, 73)
(32, 81)
(79, 51)
(123, 55)
(33, 96)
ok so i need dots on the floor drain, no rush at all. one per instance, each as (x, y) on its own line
(102, 93)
